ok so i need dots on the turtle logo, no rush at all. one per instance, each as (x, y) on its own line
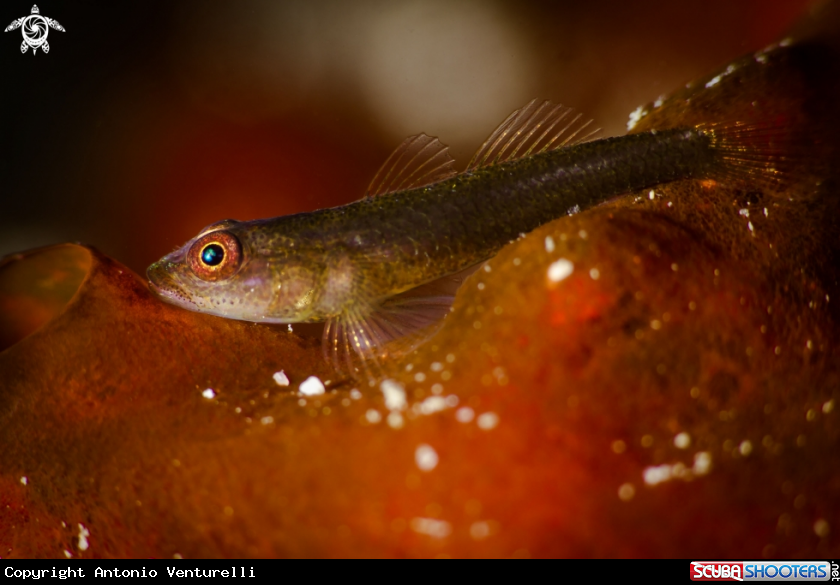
(35, 29)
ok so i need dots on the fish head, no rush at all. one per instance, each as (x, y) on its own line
(222, 272)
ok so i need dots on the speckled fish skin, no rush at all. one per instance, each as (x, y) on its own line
(315, 266)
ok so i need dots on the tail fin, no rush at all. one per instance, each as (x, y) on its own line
(771, 153)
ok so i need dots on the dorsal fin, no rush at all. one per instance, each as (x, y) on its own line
(419, 160)
(530, 130)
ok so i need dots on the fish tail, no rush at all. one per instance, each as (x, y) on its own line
(766, 154)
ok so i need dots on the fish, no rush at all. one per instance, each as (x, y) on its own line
(381, 272)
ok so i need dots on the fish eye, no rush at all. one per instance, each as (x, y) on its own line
(215, 256)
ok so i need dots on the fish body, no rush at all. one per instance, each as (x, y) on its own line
(362, 267)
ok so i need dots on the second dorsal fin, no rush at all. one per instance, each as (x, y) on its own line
(535, 128)
(420, 160)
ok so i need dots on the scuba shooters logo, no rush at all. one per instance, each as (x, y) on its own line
(35, 29)
(764, 571)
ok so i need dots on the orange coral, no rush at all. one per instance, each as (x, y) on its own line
(670, 392)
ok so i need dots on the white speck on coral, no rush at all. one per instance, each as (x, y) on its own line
(750, 227)
(594, 274)
(744, 212)
(635, 116)
(549, 244)
(651, 194)
(394, 394)
(312, 386)
(487, 421)
(373, 416)
(486, 268)
(828, 406)
(431, 527)
(582, 234)
(436, 366)
(437, 388)
(659, 101)
(479, 530)
(395, 420)
(657, 474)
(682, 441)
(745, 448)
(765, 212)
(24, 480)
(560, 270)
(83, 534)
(290, 328)
(433, 404)
(425, 457)
(209, 394)
(785, 42)
(464, 414)
(355, 394)
(702, 463)
(281, 378)
(68, 554)
(451, 401)
(626, 492)
(821, 528)
(267, 420)
(714, 81)
(480, 286)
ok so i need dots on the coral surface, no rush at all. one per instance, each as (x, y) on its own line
(654, 377)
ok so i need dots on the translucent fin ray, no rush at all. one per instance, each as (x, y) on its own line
(420, 160)
(535, 128)
(765, 153)
(356, 341)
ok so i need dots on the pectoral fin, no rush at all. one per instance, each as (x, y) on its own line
(359, 339)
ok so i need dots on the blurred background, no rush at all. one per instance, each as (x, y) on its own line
(148, 120)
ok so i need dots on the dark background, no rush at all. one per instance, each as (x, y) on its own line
(148, 120)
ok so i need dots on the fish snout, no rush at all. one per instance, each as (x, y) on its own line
(163, 284)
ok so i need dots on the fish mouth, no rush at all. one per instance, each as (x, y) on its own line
(163, 285)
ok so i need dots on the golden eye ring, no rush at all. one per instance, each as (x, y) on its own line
(215, 256)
